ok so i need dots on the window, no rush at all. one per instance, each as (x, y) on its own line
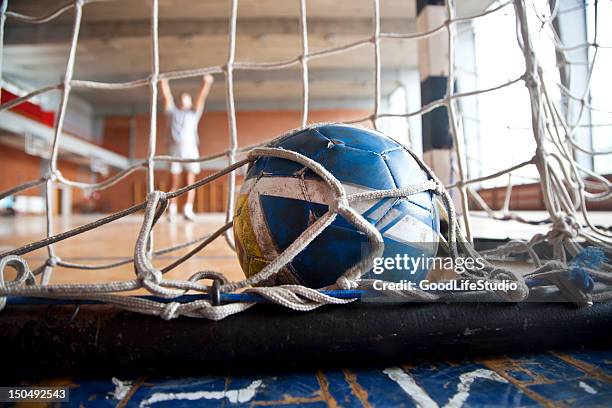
(601, 94)
(397, 127)
(504, 115)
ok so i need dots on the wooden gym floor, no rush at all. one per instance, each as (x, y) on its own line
(115, 241)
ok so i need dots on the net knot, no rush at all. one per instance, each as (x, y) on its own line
(163, 195)
(345, 283)
(55, 175)
(512, 295)
(564, 226)
(53, 261)
(439, 189)
(530, 80)
(152, 275)
(339, 204)
(171, 311)
(156, 196)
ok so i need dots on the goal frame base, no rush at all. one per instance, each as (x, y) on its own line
(42, 340)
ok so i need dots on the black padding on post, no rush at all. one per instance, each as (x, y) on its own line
(436, 134)
(102, 339)
(421, 4)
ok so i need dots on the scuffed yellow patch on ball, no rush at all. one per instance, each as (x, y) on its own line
(249, 254)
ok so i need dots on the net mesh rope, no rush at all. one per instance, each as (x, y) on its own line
(564, 188)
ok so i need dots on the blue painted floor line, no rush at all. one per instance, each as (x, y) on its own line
(571, 378)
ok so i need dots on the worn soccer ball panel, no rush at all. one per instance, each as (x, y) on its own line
(280, 199)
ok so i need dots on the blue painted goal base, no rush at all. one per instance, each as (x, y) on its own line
(225, 298)
(542, 291)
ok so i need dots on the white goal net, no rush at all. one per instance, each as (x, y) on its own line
(567, 185)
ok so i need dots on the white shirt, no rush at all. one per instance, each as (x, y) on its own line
(184, 126)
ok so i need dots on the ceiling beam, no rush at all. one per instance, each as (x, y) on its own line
(356, 74)
(17, 33)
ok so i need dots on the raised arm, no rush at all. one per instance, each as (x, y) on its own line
(167, 95)
(204, 91)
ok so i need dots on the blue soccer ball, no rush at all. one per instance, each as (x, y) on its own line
(280, 198)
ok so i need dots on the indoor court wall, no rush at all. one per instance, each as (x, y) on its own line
(253, 127)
